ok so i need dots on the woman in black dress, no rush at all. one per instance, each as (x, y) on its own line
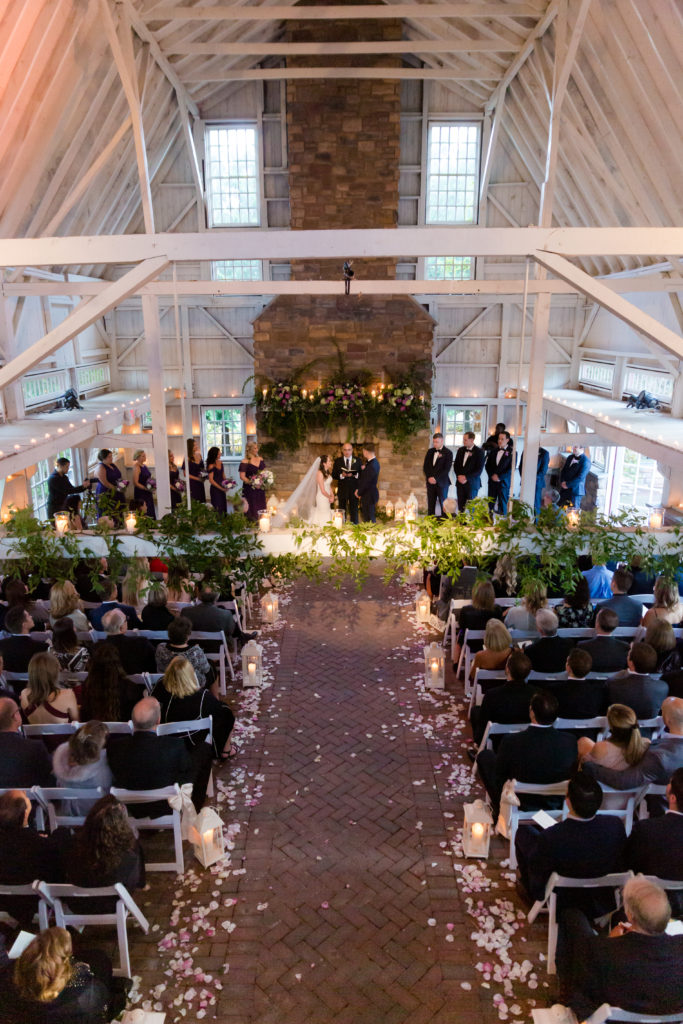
(214, 466)
(182, 700)
(174, 479)
(195, 468)
(254, 496)
(141, 483)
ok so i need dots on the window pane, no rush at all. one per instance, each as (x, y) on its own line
(459, 420)
(237, 270)
(449, 268)
(224, 428)
(641, 482)
(452, 173)
(232, 176)
(39, 483)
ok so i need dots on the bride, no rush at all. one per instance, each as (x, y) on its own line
(312, 500)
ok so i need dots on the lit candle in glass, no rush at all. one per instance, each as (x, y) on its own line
(656, 519)
(131, 522)
(264, 523)
(61, 523)
(478, 830)
(338, 518)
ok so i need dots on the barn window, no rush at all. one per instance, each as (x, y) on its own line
(232, 175)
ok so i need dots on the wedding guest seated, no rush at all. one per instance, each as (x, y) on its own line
(608, 652)
(674, 680)
(43, 702)
(48, 985)
(179, 632)
(77, 521)
(584, 845)
(90, 575)
(26, 855)
(18, 648)
(577, 696)
(110, 603)
(637, 967)
(104, 851)
(81, 762)
(23, 763)
(497, 647)
(523, 616)
(476, 615)
(666, 606)
(660, 636)
(66, 604)
(135, 583)
(16, 594)
(577, 612)
(136, 652)
(508, 703)
(624, 746)
(598, 580)
(537, 754)
(156, 615)
(550, 652)
(635, 686)
(661, 760)
(147, 761)
(504, 577)
(629, 611)
(64, 645)
(183, 700)
(108, 694)
(655, 845)
(207, 617)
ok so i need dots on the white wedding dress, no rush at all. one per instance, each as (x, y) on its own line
(322, 512)
(307, 502)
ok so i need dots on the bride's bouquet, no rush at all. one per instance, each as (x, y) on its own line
(263, 481)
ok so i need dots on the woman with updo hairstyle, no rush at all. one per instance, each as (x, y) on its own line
(66, 604)
(105, 851)
(47, 985)
(255, 497)
(623, 748)
(42, 701)
(667, 606)
(218, 494)
(141, 483)
(81, 762)
(194, 466)
(108, 477)
(179, 630)
(156, 614)
(72, 655)
(183, 700)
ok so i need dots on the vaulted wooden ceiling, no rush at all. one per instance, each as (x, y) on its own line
(67, 155)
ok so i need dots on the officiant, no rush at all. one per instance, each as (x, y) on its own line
(345, 471)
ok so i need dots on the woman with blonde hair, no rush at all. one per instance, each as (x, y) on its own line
(477, 615)
(504, 577)
(523, 616)
(666, 607)
(497, 648)
(623, 748)
(255, 497)
(143, 483)
(135, 583)
(66, 604)
(42, 701)
(183, 700)
(194, 467)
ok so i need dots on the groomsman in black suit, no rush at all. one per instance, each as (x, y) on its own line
(468, 466)
(499, 469)
(573, 477)
(345, 470)
(437, 469)
(366, 490)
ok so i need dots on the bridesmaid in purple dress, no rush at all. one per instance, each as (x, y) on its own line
(217, 491)
(107, 478)
(255, 497)
(174, 477)
(141, 477)
(195, 466)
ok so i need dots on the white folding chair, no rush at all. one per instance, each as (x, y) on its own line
(615, 881)
(584, 724)
(608, 1013)
(484, 675)
(56, 897)
(119, 728)
(135, 797)
(451, 631)
(147, 679)
(58, 804)
(50, 729)
(23, 890)
(518, 816)
(186, 728)
(496, 729)
(221, 656)
(466, 656)
(650, 790)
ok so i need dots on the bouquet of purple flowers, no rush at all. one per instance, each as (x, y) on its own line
(121, 484)
(229, 483)
(151, 484)
(180, 486)
(263, 480)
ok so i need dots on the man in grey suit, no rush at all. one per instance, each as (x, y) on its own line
(636, 688)
(608, 652)
(662, 759)
(630, 612)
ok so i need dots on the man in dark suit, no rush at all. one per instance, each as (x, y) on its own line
(491, 442)
(207, 617)
(608, 653)
(23, 763)
(577, 696)
(661, 759)
(147, 761)
(550, 652)
(18, 649)
(26, 855)
(499, 470)
(538, 754)
(629, 611)
(346, 470)
(573, 477)
(508, 703)
(468, 466)
(109, 603)
(655, 846)
(585, 845)
(136, 652)
(635, 687)
(542, 463)
(367, 491)
(638, 967)
(59, 487)
(437, 469)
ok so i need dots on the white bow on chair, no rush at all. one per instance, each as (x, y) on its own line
(508, 800)
(182, 802)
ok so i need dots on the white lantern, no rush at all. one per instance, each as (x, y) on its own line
(131, 522)
(434, 667)
(272, 505)
(573, 518)
(252, 664)
(61, 523)
(269, 608)
(415, 573)
(412, 504)
(423, 607)
(476, 833)
(264, 522)
(399, 510)
(655, 520)
(411, 514)
(338, 518)
(206, 836)
(389, 510)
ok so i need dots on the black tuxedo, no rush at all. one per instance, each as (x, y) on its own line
(573, 474)
(18, 649)
(147, 761)
(499, 490)
(472, 469)
(654, 848)
(440, 470)
(642, 693)
(508, 703)
(23, 763)
(59, 487)
(578, 698)
(536, 754)
(346, 485)
(609, 653)
(549, 654)
(367, 489)
(27, 855)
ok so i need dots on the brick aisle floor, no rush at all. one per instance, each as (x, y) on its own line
(345, 900)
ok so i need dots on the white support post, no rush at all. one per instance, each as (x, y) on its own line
(152, 325)
(13, 396)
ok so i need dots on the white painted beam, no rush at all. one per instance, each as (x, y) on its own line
(84, 315)
(140, 27)
(155, 365)
(258, 51)
(525, 52)
(353, 12)
(205, 75)
(339, 244)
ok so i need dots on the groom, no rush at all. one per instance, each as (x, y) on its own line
(367, 484)
(345, 471)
